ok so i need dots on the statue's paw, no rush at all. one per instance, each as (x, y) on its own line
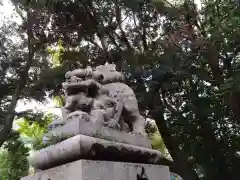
(112, 124)
(79, 116)
(138, 133)
(55, 124)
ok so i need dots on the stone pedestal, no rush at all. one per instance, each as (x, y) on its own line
(83, 151)
(77, 126)
(103, 170)
(87, 147)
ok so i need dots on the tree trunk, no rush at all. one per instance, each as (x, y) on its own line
(219, 167)
(8, 121)
(180, 159)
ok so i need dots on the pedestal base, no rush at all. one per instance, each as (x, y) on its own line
(103, 170)
(77, 126)
(86, 147)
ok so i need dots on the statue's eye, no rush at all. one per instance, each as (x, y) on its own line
(101, 107)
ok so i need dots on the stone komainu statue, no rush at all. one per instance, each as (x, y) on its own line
(99, 96)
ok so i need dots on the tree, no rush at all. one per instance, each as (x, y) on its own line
(202, 96)
(17, 66)
(182, 63)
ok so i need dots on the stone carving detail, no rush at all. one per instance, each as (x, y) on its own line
(142, 175)
(86, 147)
(99, 96)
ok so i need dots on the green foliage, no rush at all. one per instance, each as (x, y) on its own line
(56, 54)
(156, 139)
(182, 62)
(13, 159)
(59, 100)
(32, 133)
(13, 166)
(158, 144)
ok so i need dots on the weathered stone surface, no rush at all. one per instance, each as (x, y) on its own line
(79, 126)
(86, 147)
(103, 170)
(101, 94)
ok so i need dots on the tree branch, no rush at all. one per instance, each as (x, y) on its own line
(168, 106)
(119, 21)
(144, 39)
(94, 43)
(7, 125)
(92, 15)
(135, 23)
(179, 157)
